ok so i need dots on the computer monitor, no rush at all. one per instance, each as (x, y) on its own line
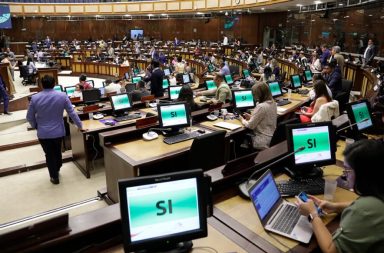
(173, 115)
(99, 85)
(70, 90)
(295, 82)
(164, 211)
(245, 73)
(58, 88)
(359, 113)
(210, 85)
(211, 68)
(121, 103)
(167, 72)
(136, 71)
(318, 141)
(186, 79)
(243, 99)
(173, 92)
(91, 96)
(165, 83)
(228, 79)
(275, 89)
(136, 79)
(308, 75)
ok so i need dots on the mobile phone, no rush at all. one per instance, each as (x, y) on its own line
(304, 197)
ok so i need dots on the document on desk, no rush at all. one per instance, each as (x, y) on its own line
(281, 109)
(226, 125)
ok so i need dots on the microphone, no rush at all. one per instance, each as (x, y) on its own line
(244, 187)
(351, 125)
(151, 134)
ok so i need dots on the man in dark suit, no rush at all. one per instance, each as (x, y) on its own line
(332, 77)
(369, 53)
(156, 79)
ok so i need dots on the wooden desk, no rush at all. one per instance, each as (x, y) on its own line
(41, 72)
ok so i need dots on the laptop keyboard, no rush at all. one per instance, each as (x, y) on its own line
(311, 186)
(180, 137)
(287, 219)
(128, 117)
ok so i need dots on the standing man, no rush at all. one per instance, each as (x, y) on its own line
(156, 79)
(325, 55)
(45, 113)
(369, 53)
(225, 40)
(4, 95)
(338, 58)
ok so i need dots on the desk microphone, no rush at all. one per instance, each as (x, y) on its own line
(244, 187)
(151, 134)
(351, 125)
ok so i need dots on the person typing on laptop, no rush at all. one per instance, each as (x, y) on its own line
(222, 93)
(362, 221)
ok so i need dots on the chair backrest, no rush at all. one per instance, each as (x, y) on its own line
(147, 98)
(346, 85)
(110, 93)
(234, 69)
(23, 71)
(280, 134)
(130, 87)
(283, 76)
(327, 112)
(208, 151)
(92, 82)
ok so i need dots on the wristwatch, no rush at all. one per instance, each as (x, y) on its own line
(312, 216)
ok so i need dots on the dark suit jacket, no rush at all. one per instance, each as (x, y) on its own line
(371, 53)
(157, 82)
(334, 82)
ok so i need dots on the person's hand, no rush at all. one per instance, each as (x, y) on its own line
(82, 129)
(247, 116)
(325, 206)
(305, 208)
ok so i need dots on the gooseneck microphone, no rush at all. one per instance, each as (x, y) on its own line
(245, 186)
(351, 125)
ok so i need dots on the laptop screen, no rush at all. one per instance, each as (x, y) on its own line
(274, 87)
(228, 79)
(264, 195)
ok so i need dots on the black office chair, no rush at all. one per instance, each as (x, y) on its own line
(234, 69)
(208, 151)
(130, 87)
(343, 96)
(27, 78)
(280, 134)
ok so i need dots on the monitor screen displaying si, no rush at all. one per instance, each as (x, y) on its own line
(318, 142)
(58, 88)
(359, 113)
(91, 96)
(175, 115)
(162, 210)
(308, 75)
(120, 102)
(167, 72)
(210, 84)
(136, 79)
(243, 99)
(5, 17)
(275, 89)
(228, 79)
(174, 92)
(70, 90)
(186, 79)
(295, 81)
(165, 83)
(245, 73)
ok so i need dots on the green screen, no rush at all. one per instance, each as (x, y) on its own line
(275, 89)
(57, 88)
(136, 79)
(296, 81)
(165, 83)
(70, 90)
(360, 113)
(244, 99)
(174, 92)
(121, 102)
(211, 85)
(228, 79)
(246, 73)
(308, 75)
(173, 115)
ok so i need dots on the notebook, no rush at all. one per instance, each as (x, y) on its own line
(277, 215)
(226, 125)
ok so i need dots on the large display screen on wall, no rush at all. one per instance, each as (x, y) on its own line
(5, 17)
(137, 34)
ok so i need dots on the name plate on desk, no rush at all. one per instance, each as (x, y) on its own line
(226, 125)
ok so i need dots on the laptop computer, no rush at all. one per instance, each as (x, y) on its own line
(277, 215)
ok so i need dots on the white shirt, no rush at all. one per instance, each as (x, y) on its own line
(366, 50)
(225, 40)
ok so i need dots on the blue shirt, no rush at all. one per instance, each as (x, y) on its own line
(45, 113)
(225, 70)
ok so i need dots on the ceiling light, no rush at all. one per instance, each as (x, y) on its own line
(299, 5)
(340, 4)
(127, 15)
(226, 13)
(318, 2)
(313, 20)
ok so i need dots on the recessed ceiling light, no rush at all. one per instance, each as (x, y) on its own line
(313, 20)
(127, 15)
(340, 4)
(289, 10)
(318, 2)
(299, 5)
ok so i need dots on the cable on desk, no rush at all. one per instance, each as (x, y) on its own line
(278, 241)
(96, 151)
(205, 248)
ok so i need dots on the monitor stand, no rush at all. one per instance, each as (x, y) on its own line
(312, 172)
(181, 247)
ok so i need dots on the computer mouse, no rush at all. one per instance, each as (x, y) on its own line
(110, 123)
(201, 131)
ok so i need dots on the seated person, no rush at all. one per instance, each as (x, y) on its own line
(268, 76)
(321, 97)
(31, 66)
(78, 93)
(315, 63)
(139, 92)
(222, 94)
(186, 95)
(333, 78)
(224, 69)
(263, 119)
(362, 221)
(275, 69)
(83, 84)
(312, 93)
(111, 87)
(179, 66)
